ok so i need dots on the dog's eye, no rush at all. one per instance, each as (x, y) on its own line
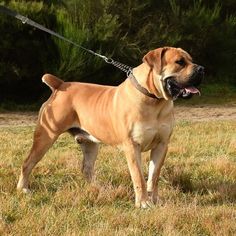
(180, 62)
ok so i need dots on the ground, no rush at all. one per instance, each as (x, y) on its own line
(197, 186)
(193, 113)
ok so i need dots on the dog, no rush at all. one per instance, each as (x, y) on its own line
(136, 116)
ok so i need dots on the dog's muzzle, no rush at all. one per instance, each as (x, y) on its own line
(187, 89)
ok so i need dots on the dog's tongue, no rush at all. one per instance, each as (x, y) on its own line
(192, 90)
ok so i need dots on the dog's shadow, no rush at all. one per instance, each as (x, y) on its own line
(212, 190)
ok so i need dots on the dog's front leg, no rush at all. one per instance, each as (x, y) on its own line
(156, 161)
(133, 155)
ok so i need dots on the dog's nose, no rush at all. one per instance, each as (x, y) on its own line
(200, 69)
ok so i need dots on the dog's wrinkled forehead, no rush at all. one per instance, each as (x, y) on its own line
(159, 58)
(173, 55)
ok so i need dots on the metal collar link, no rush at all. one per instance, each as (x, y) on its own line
(119, 65)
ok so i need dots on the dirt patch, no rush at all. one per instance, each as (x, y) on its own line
(195, 113)
(18, 118)
(205, 113)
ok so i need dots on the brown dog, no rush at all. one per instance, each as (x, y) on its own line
(137, 116)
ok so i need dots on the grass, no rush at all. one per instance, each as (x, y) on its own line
(197, 187)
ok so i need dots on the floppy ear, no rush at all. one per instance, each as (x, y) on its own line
(154, 58)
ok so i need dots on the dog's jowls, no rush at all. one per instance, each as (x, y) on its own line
(120, 116)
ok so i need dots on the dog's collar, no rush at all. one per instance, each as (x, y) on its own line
(139, 87)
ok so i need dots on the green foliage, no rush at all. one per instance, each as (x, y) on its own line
(91, 26)
(124, 30)
(25, 52)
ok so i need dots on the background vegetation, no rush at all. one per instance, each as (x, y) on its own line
(125, 30)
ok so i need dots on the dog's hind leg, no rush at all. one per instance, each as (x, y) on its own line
(89, 146)
(90, 151)
(43, 140)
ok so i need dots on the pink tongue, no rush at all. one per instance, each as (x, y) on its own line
(192, 90)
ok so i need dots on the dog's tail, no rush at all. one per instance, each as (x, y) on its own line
(52, 81)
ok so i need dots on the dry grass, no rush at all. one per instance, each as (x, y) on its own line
(197, 187)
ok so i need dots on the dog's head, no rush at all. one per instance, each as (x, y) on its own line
(174, 73)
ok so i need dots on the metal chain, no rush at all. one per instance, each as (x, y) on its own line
(119, 65)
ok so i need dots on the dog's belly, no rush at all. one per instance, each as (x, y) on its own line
(82, 136)
(149, 134)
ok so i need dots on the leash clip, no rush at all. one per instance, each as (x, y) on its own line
(24, 20)
(108, 60)
(129, 72)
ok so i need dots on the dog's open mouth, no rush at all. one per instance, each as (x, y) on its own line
(177, 90)
(190, 90)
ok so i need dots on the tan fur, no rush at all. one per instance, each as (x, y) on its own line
(52, 81)
(120, 116)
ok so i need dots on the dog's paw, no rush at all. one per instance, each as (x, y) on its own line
(153, 197)
(26, 191)
(145, 204)
(23, 190)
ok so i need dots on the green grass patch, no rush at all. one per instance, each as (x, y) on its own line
(197, 187)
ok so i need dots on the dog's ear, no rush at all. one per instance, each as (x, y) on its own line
(154, 58)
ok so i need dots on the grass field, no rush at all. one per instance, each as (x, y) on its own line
(197, 187)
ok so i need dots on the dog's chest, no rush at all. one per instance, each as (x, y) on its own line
(149, 133)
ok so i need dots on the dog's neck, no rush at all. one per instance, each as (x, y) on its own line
(145, 77)
(148, 79)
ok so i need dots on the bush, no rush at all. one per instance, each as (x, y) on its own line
(25, 52)
(122, 30)
(89, 24)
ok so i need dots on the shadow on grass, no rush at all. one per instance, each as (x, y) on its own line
(220, 190)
